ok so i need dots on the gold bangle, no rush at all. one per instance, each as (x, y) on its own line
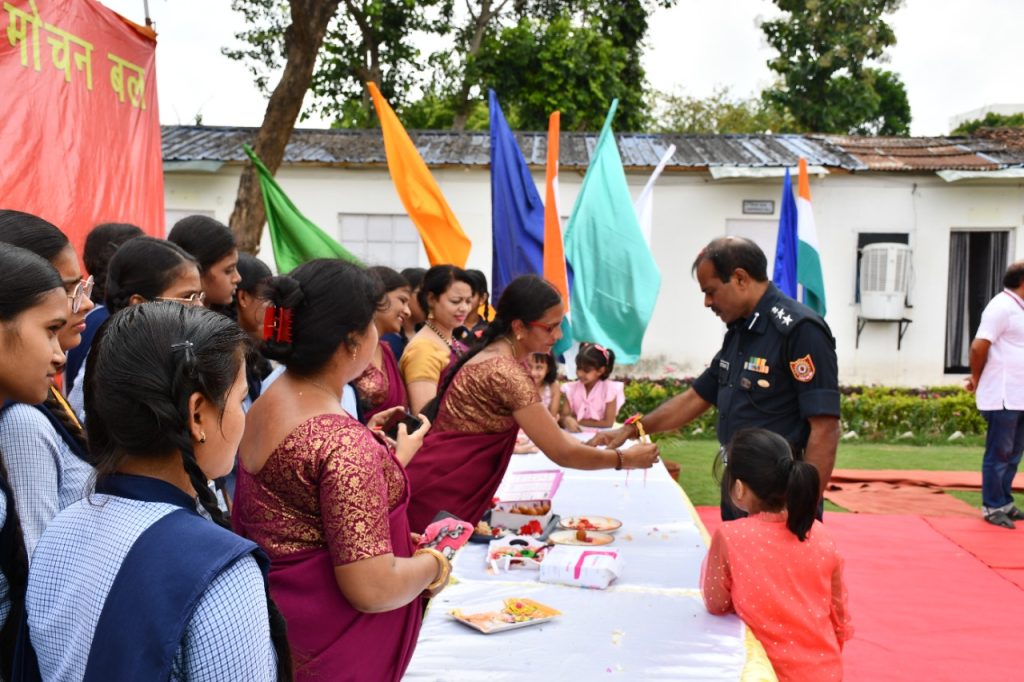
(443, 565)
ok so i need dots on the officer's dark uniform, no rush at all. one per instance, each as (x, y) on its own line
(776, 368)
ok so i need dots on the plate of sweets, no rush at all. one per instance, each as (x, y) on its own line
(601, 524)
(509, 614)
(581, 538)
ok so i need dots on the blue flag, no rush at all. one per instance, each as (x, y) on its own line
(517, 212)
(616, 280)
(784, 274)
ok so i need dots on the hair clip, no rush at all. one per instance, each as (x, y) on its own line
(186, 346)
(277, 324)
(602, 350)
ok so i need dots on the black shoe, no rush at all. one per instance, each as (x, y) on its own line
(1015, 514)
(1000, 518)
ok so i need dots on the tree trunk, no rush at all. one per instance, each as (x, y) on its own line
(302, 44)
(477, 29)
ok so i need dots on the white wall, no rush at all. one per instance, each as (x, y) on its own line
(690, 209)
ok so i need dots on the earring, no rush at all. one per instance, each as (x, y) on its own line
(202, 437)
(355, 351)
(519, 337)
(430, 315)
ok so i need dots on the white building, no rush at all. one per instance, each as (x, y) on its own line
(957, 202)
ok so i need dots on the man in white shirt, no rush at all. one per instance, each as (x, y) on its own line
(997, 379)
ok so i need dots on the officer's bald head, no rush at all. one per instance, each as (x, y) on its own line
(726, 254)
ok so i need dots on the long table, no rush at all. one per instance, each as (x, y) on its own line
(650, 624)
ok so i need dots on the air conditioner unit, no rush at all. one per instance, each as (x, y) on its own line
(884, 280)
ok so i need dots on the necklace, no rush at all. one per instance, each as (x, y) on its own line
(512, 345)
(323, 388)
(447, 341)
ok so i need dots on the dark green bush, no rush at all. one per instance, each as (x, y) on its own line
(874, 413)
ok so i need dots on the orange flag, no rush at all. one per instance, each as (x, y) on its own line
(554, 253)
(554, 250)
(439, 229)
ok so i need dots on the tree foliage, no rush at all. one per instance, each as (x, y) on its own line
(825, 48)
(540, 55)
(990, 120)
(718, 114)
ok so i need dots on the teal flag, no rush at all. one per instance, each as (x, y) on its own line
(616, 279)
(294, 237)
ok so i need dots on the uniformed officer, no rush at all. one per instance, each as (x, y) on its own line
(776, 369)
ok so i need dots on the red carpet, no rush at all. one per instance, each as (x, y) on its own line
(925, 606)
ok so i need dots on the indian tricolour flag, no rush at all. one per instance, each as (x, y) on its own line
(808, 261)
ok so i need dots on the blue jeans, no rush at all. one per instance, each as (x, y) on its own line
(1004, 444)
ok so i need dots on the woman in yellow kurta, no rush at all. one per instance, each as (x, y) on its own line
(446, 294)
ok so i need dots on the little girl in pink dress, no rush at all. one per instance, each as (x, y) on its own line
(593, 401)
(779, 569)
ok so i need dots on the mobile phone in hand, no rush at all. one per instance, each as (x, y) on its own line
(391, 426)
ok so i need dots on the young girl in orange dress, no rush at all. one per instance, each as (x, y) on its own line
(779, 569)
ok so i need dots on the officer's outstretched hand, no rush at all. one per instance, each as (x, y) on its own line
(612, 438)
(642, 456)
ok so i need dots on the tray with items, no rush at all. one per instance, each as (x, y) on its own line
(485, 532)
(509, 614)
(521, 506)
(516, 552)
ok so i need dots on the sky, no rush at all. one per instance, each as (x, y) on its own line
(954, 56)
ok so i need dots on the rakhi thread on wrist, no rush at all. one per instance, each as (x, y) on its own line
(642, 437)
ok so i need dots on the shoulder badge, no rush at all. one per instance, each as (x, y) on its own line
(802, 368)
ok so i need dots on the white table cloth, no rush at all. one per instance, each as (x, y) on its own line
(650, 624)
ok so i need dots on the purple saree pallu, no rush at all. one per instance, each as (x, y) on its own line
(330, 639)
(458, 473)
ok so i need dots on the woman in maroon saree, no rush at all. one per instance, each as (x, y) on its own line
(483, 402)
(323, 495)
(381, 387)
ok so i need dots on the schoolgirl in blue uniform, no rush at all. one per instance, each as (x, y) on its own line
(33, 309)
(136, 582)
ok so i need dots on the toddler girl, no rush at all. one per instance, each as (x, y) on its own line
(544, 371)
(545, 374)
(593, 400)
(779, 569)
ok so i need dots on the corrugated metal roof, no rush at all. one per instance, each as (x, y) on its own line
(639, 151)
(913, 153)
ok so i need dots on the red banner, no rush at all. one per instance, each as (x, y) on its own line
(79, 124)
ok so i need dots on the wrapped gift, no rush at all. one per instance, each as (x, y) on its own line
(581, 566)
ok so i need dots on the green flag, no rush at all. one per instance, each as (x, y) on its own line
(616, 280)
(294, 237)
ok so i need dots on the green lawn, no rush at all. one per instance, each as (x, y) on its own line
(696, 457)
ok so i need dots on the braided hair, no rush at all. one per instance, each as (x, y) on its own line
(526, 298)
(141, 373)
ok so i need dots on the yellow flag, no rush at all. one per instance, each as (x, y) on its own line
(439, 229)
